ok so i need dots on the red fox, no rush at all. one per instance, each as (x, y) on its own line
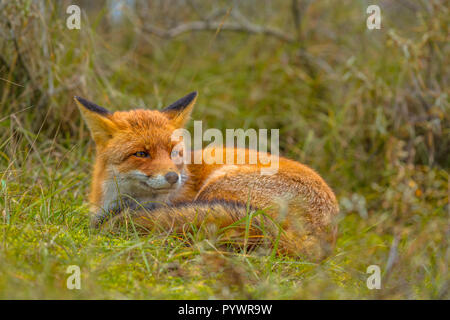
(293, 210)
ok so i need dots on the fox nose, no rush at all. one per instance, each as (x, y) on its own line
(171, 177)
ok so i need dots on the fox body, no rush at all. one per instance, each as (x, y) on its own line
(135, 156)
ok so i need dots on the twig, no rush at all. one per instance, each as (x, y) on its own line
(11, 82)
(298, 9)
(392, 258)
(197, 26)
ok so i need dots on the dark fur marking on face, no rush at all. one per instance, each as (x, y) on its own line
(181, 103)
(93, 107)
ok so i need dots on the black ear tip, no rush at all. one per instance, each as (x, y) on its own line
(92, 106)
(182, 103)
(190, 96)
(81, 100)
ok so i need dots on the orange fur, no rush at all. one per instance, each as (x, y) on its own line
(295, 196)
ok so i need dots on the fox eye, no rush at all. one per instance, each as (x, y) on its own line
(141, 154)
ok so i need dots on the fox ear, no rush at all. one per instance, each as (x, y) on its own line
(179, 111)
(97, 120)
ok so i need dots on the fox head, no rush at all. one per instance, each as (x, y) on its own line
(135, 152)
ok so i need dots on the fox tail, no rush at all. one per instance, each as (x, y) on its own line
(232, 223)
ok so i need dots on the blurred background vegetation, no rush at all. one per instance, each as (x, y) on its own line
(368, 109)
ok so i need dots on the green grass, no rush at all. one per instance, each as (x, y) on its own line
(368, 110)
(45, 229)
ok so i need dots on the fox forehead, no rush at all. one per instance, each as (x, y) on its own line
(140, 130)
(147, 128)
(139, 119)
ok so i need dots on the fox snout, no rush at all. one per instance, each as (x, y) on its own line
(159, 181)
